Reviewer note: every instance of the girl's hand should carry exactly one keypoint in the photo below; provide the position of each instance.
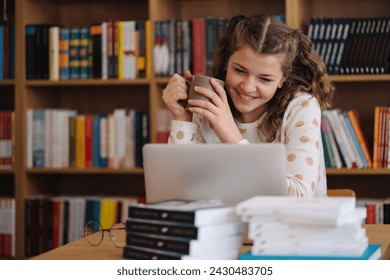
(175, 95)
(217, 112)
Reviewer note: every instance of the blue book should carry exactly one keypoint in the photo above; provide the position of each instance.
(373, 252)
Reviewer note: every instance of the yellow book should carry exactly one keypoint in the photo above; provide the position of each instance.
(108, 212)
(148, 43)
(80, 141)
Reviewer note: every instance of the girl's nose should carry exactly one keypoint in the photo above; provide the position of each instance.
(248, 85)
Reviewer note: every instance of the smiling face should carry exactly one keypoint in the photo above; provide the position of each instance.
(251, 81)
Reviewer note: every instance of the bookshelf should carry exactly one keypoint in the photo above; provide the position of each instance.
(362, 92)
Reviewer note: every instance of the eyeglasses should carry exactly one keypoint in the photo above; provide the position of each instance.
(94, 233)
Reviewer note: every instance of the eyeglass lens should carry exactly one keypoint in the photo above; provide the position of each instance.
(93, 232)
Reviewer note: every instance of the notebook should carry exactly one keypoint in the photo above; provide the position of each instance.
(230, 173)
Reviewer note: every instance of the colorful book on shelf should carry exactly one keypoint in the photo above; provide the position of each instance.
(354, 118)
(372, 252)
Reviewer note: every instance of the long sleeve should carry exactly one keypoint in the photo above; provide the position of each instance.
(182, 132)
(301, 134)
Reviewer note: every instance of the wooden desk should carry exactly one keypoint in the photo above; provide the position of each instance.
(82, 250)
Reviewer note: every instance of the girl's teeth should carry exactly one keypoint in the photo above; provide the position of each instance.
(246, 97)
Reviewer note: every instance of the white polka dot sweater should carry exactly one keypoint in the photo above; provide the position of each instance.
(300, 132)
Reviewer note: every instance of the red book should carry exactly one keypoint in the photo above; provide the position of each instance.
(88, 140)
(371, 213)
(198, 45)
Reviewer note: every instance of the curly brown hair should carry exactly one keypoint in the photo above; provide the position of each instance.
(303, 68)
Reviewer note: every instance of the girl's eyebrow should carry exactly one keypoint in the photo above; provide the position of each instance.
(262, 75)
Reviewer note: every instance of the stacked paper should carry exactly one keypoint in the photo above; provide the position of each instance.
(292, 226)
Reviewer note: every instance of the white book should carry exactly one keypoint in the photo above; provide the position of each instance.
(129, 49)
(54, 54)
(120, 137)
(336, 128)
(285, 205)
(320, 248)
(55, 153)
(48, 137)
(332, 140)
(343, 232)
(104, 50)
(353, 217)
(349, 141)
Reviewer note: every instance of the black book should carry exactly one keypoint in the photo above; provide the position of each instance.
(138, 253)
(183, 230)
(384, 53)
(349, 47)
(197, 213)
(186, 246)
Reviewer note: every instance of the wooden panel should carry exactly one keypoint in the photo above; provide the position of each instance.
(91, 100)
(77, 13)
(363, 97)
(223, 8)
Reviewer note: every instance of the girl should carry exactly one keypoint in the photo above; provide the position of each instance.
(276, 87)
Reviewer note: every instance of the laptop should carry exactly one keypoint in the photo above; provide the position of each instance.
(230, 173)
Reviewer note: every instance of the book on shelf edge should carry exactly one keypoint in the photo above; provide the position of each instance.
(372, 252)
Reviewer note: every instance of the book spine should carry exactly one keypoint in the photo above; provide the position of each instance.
(54, 67)
(155, 214)
(162, 229)
(83, 52)
(64, 53)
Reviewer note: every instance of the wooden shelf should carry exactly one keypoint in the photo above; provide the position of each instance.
(355, 171)
(89, 82)
(7, 82)
(87, 171)
(7, 171)
(361, 92)
(360, 78)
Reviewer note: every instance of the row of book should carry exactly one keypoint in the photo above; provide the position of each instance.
(344, 142)
(182, 44)
(111, 49)
(352, 45)
(378, 210)
(381, 151)
(7, 227)
(61, 138)
(182, 229)
(52, 221)
(6, 137)
(7, 52)
(320, 228)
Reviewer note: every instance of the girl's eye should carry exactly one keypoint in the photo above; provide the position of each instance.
(239, 70)
(265, 80)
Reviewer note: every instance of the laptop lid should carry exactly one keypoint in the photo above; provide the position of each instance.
(227, 172)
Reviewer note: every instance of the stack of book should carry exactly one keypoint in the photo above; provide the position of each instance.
(178, 229)
(306, 228)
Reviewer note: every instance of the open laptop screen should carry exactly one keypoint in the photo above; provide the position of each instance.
(227, 172)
